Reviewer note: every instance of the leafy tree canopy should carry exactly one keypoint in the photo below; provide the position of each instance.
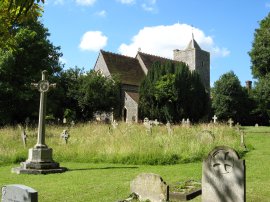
(171, 92)
(260, 52)
(230, 99)
(12, 14)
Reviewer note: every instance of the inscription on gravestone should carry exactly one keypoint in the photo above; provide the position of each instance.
(223, 178)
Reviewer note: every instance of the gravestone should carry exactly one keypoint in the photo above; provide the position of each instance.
(64, 120)
(215, 118)
(230, 121)
(169, 128)
(18, 193)
(114, 124)
(149, 186)
(156, 123)
(183, 122)
(206, 137)
(188, 122)
(65, 136)
(256, 125)
(242, 139)
(223, 176)
(148, 125)
(40, 159)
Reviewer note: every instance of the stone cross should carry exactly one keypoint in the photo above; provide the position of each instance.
(43, 87)
(230, 122)
(215, 118)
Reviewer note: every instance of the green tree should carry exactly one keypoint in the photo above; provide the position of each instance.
(21, 66)
(13, 13)
(260, 52)
(98, 93)
(230, 99)
(261, 95)
(171, 92)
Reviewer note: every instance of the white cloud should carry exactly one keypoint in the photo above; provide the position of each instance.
(127, 1)
(162, 40)
(150, 6)
(93, 41)
(85, 2)
(102, 13)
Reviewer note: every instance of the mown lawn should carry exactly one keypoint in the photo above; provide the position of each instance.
(110, 182)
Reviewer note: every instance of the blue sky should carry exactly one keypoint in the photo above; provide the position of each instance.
(225, 28)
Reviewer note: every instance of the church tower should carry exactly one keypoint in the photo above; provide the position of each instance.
(197, 59)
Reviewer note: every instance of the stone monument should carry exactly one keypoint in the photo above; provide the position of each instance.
(40, 159)
(223, 176)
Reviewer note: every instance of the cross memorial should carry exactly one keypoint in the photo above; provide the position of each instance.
(40, 159)
(230, 122)
(215, 118)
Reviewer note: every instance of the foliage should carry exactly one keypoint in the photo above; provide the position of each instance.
(21, 66)
(98, 93)
(171, 92)
(261, 95)
(13, 13)
(260, 52)
(230, 99)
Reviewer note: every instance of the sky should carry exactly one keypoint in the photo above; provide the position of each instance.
(225, 28)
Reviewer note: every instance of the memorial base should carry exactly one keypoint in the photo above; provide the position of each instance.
(39, 162)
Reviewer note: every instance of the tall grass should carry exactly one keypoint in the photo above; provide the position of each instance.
(128, 144)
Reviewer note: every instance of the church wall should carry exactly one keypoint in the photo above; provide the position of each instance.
(132, 109)
(186, 56)
(101, 66)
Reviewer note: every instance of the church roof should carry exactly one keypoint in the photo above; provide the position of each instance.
(149, 59)
(127, 68)
(193, 44)
(134, 96)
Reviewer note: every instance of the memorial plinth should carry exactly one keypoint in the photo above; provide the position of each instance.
(40, 158)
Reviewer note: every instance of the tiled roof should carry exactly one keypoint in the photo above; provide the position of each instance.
(127, 68)
(149, 59)
(134, 96)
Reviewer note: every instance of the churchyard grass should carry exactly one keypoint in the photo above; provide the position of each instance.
(109, 182)
(127, 144)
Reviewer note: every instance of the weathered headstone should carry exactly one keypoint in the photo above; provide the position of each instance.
(256, 125)
(206, 136)
(148, 125)
(156, 123)
(183, 122)
(149, 186)
(18, 193)
(114, 124)
(169, 128)
(40, 159)
(223, 176)
(188, 122)
(64, 120)
(230, 121)
(215, 118)
(65, 136)
(242, 139)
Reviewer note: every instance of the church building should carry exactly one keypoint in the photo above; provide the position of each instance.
(133, 70)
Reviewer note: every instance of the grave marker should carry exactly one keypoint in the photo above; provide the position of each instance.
(40, 159)
(18, 193)
(223, 176)
(149, 186)
(230, 122)
(65, 136)
(169, 129)
(215, 118)
(148, 125)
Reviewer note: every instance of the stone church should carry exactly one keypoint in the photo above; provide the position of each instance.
(133, 70)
